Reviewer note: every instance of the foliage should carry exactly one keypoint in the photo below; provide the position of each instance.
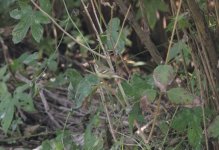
(29, 19)
(123, 98)
(213, 128)
(180, 96)
(151, 8)
(137, 86)
(9, 102)
(189, 121)
(163, 76)
(62, 141)
(116, 37)
(81, 88)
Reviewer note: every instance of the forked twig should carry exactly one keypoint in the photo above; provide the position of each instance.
(65, 32)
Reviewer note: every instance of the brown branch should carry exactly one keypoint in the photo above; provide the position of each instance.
(205, 36)
(143, 34)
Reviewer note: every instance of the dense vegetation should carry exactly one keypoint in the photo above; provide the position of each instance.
(104, 74)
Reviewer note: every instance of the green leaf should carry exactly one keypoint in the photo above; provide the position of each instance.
(74, 77)
(3, 71)
(71, 92)
(23, 4)
(135, 114)
(113, 36)
(46, 5)
(91, 142)
(22, 88)
(137, 86)
(181, 120)
(20, 31)
(175, 50)
(163, 76)
(151, 8)
(16, 14)
(22, 99)
(29, 18)
(31, 58)
(37, 31)
(182, 22)
(164, 127)
(40, 18)
(195, 136)
(213, 129)
(85, 88)
(5, 5)
(178, 47)
(7, 115)
(25, 101)
(52, 65)
(180, 96)
(114, 24)
(150, 94)
(6, 111)
(62, 141)
(4, 91)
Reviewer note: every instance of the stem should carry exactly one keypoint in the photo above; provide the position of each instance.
(66, 33)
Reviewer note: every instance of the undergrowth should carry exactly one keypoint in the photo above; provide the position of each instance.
(90, 93)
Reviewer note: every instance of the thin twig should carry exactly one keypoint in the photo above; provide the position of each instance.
(74, 24)
(66, 33)
(108, 59)
(98, 38)
(95, 14)
(123, 24)
(107, 114)
(202, 98)
(142, 34)
(155, 117)
(164, 140)
(173, 31)
(46, 106)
